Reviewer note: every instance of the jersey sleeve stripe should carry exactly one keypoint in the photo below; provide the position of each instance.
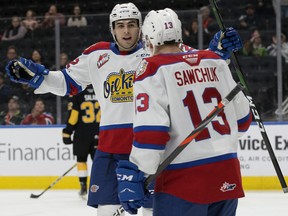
(72, 87)
(151, 128)
(244, 123)
(202, 161)
(152, 137)
(118, 126)
(148, 146)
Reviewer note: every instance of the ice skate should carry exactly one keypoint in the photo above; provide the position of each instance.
(83, 191)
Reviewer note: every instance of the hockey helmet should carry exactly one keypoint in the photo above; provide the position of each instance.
(160, 27)
(124, 11)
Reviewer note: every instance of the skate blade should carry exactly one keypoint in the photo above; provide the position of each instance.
(83, 197)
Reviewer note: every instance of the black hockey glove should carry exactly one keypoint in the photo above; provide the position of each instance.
(66, 137)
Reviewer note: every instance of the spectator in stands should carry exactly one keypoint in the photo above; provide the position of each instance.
(249, 19)
(13, 115)
(26, 93)
(190, 35)
(272, 48)
(77, 20)
(30, 22)
(15, 31)
(272, 51)
(64, 60)
(5, 92)
(51, 16)
(254, 46)
(37, 57)
(207, 19)
(11, 54)
(38, 116)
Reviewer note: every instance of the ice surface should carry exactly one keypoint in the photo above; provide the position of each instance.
(67, 203)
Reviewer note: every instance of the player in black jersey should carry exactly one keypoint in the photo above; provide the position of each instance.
(83, 121)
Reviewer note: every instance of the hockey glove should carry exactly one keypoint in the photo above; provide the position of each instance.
(25, 71)
(130, 186)
(225, 42)
(149, 196)
(66, 137)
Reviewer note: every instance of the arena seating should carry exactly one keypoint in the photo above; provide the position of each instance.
(260, 73)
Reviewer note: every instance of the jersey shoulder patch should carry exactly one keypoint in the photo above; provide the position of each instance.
(149, 66)
(97, 46)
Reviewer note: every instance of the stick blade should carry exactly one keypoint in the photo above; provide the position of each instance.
(34, 196)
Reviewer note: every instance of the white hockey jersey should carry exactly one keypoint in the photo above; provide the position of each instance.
(173, 93)
(111, 73)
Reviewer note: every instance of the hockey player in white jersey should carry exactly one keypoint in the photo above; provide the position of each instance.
(173, 92)
(110, 68)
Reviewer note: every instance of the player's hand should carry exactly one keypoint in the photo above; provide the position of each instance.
(225, 42)
(149, 195)
(25, 71)
(67, 140)
(96, 140)
(66, 137)
(130, 186)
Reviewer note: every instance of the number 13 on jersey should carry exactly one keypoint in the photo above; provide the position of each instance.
(189, 102)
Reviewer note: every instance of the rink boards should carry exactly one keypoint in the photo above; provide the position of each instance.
(34, 157)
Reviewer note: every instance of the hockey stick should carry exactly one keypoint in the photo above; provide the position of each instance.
(189, 138)
(53, 183)
(253, 108)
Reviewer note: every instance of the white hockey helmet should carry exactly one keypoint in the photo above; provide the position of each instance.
(160, 27)
(124, 11)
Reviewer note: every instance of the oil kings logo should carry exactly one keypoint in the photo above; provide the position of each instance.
(102, 60)
(119, 86)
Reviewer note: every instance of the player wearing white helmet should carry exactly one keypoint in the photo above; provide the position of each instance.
(173, 91)
(110, 68)
(155, 34)
(125, 14)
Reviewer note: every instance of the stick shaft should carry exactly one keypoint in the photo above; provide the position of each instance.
(253, 108)
(53, 183)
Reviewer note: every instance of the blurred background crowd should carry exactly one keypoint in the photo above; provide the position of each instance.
(28, 29)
